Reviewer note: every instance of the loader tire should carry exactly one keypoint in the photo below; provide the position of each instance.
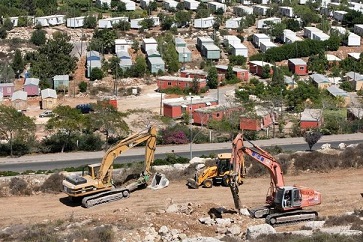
(208, 183)
(225, 180)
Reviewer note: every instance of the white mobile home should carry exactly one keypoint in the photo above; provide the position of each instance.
(130, 5)
(203, 23)
(122, 45)
(170, 4)
(191, 4)
(265, 45)
(261, 24)
(203, 41)
(149, 44)
(308, 32)
(260, 10)
(51, 20)
(239, 49)
(77, 22)
(258, 38)
(339, 15)
(108, 23)
(14, 21)
(233, 23)
(353, 40)
(136, 23)
(338, 29)
(242, 10)
(145, 3)
(230, 40)
(286, 11)
(214, 6)
(102, 3)
(320, 36)
(291, 39)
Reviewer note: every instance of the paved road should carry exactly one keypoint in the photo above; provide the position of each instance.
(59, 161)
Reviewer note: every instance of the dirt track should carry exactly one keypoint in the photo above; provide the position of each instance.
(340, 191)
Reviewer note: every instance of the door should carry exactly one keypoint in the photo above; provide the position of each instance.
(296, 198)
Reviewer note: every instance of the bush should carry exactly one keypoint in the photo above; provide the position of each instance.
(316, 161)
(38, 37)
(344, 220)
(19, 187)
(53, 184)
(82, 86)
(90, 142)
(170, 160)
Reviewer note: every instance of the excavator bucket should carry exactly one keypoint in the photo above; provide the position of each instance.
(159, 181)
(191, 183)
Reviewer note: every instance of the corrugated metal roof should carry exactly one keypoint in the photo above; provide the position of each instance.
(311, 115)
(19, 95)
(156, 61)
(31, 81)
(188, 102)
(48, 93)
(7, 84)
(319, 78)
(337, 92)
(61, 78)
(297, 61)
(354, 76)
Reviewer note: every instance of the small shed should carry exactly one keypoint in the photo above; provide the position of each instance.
(179, 42)
(130, 5)
(298, 66)
(204, 23)
(77, 22)
(7, 89)
(31, 86)
(233, 23)
(320, 36)
(184, 54)
(108, 23)
(260, 118)
(311, 118)
(191, 4)
(258, 38)
(339, 15)
(211, 52)
(242, 10)
(260, 9)
(93, 55)
(239, 49)
(156, 64)
(149, 44)
(320, 81)
(122, 45)
(203, 41)
(61, 81)
(353, 40)
(166, 82)
(337, 92)
(49, 99)
(230, 40)
(19, 100)
(256, 67)
(202, 116)
(308, 32)
(265, 45)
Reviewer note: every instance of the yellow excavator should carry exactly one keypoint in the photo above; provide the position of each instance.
(218, 174)
(95, 186)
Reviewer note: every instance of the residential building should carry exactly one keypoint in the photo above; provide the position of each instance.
(184, 54)
(145, 3)
(202, 116)
(197, 73)
(311, 118)
(102, 3)
(191, 4)
(176, 109)
(358, 29)
(233, 23)
(241, 74)
(320, 36)
(320, 81)
(256, 67)
(211, 52)
(258, 38)
(19, 100)
(49, 99)
(214, 6)
(125, 60)
(156, 64)
(231, 39)
(263, 23)
(239, 49)
(339, 93)
(339, 15)
(91, 64)
(260, 10)
(136, 23)
(51, 20)
(108, 23)
(7, 89)
(129, 5)
(76, 22)
(353, 40)
(259, 119)
(31, 86)
(287, 11)
(179, 42)
(265, 45)
(93, 55)
(308, 32)
(151, 53)
(204, 23)
(166, 82)
(242, 10)
(356, 79)
(170, 4)
(298, 66)
(149, 44)
(354, 55)
(203, 41)
(61, 81)
(122, 45)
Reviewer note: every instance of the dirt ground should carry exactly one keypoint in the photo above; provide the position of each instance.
(340, 193)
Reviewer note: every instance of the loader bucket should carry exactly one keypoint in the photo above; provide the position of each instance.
(191, 183)
(159, 181)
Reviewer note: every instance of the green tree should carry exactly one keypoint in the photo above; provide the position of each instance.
(292, 24)
(15, 125)
(135, 45)
(312, 137)
(114, 65)
(82, 86)
(139, 67)
(38, 37)
(318, 63)
(230, 74)
(195, 85)
(66, 122)
(212, 78)
(108, 120)
(18, 63)
(96, 74)
(7, 73)
(266, 71)
(90, 22)
(105, 37)
(238, 60)
(147, 23)
(8, 25)
(123, 26)
(3, 33)
(167, 22)
(183, 17)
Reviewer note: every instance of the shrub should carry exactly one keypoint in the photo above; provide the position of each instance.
(82, 86)
(19, 187)
(53, 184)
(316, 161)
(90, 142)
(343, 220)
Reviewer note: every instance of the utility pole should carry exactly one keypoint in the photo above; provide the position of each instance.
(191, 127)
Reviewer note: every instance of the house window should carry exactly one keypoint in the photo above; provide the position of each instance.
(60, 82)
(302, 67)
(217, 115)
(169, 83)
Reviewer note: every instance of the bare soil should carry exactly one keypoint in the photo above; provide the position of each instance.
(340, 192)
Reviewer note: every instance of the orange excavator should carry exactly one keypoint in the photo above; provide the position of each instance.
(284, 204)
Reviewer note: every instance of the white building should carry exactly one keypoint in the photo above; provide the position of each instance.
(191, 4)
(77, 22)
(242, 10)
(149, 44)
(261, 24)
(145, 3)
(353, 40)
(265, 45)
(338, 29)
(51, 20)
(308, 32)
(320, 36)
(239, 49)
(302, 2)
(258, 38)
(286, 11)
(260, 10)
(203, 23)
(122, 45)
(214, 6)
(358, 29)
(103, 3)
(136, 23)
(130, 5)
(233, 23)
(107, 23)
(231, 39)
(339, 15)
(291, 39)
(170, 4)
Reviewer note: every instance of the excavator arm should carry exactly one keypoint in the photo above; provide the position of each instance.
(113, 152)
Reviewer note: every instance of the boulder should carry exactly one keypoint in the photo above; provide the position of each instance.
(352, 145)
(342, 146)
(197, 160)
(234, 230)
(207, 221)
(314, 225)
(326, 146)
(306, 233)
(256, 230)
(163, 230)
(226, 222)
(244, 211)
(201, 239)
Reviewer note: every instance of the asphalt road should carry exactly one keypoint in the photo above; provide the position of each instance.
(61, 161)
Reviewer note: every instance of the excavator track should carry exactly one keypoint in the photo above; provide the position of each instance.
(105, 197)
(259, 212)
(278, 219)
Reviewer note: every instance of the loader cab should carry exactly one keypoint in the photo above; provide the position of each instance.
(224, 163)
(92, 170)
(287, 198)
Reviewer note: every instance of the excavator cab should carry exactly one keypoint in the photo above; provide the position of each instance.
(287, 198)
